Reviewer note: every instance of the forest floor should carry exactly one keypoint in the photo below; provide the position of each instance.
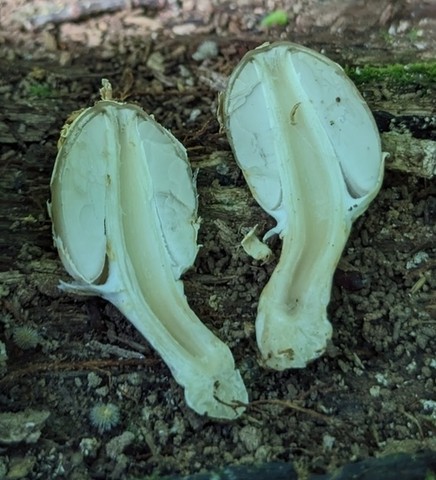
(371, 393)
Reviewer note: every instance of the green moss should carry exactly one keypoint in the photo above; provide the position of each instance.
(421, 74)
(275, 18)
(40, 90)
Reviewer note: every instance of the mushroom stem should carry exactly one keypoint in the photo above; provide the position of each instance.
(292, 326)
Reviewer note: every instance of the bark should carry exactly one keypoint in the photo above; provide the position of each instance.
(393, 467)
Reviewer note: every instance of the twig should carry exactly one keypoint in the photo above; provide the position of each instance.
(54, 367)
(281, 403)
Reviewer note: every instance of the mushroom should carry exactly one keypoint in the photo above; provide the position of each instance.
(310, 152)
(124, 212)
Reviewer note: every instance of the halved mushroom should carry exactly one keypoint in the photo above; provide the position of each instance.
(310, 152)
(124, 212)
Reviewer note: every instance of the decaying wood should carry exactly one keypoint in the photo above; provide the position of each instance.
(393, 467)
(409, 154)
(29, 123)
(79, 10)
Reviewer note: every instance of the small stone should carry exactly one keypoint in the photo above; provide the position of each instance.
(207, 49)
(93, 380)
(116, 446)
(24, 426)
(328, 441)
(20, 467)
(429, 406)
(250, 437)
(102, 391)
(381, 379)
(374, 391)
(89, 447)
(134, 379)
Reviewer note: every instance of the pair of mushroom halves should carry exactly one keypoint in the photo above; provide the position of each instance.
(124, 212)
